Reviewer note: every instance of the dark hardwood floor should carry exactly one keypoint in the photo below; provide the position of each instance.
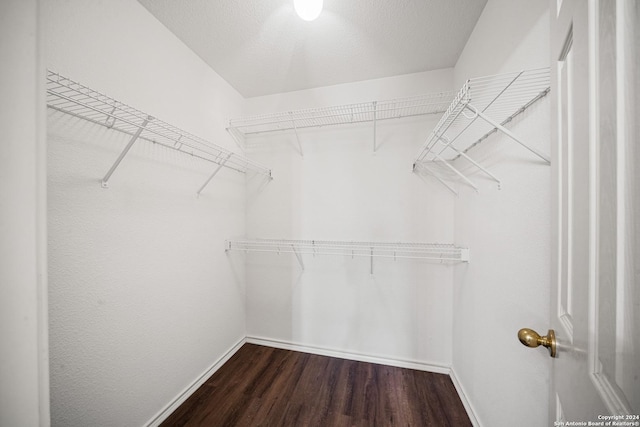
(264, 386)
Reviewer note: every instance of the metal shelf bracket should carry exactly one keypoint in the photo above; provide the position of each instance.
(375, 117)
(220, 165)
(371, 262)
(456, 171)
(448, 144)
(298, 256)
(497, 100)
(508, 133)
(295, 131)
(233, 133)
(105, 180)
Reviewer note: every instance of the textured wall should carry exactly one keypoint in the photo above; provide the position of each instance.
(341, 190)
(143, 299)
(506, 286)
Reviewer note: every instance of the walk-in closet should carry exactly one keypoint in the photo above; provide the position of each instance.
(225, 213)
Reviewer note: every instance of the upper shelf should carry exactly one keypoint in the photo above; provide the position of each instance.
(70, 97)
(496, 100)
(341, 114)
(344, 114)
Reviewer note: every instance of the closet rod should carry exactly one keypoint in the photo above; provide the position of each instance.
(442, 253)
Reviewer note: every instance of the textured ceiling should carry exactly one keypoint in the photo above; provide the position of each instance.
(261, 46)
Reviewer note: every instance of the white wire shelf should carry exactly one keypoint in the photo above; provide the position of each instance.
(373, 111)
(73, 98)
(495, 100)
(442, 253)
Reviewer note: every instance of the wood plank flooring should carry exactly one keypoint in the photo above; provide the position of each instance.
(264, 386)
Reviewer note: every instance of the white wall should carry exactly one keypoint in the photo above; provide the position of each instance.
(143, 299)
(349, 93)
(506, 286)
(342, 190)
(24, 375)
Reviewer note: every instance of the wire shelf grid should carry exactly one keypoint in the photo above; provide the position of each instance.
(73, 98)
(343, 114)
(444, 253)
(483, 106)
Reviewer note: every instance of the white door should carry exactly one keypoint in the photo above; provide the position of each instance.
(595, 308)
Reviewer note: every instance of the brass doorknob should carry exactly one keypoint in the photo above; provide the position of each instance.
(531, 338)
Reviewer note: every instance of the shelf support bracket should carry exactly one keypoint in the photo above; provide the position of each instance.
(111, 116)
(298, 256)
(105, 180)
(375, 114)
(442, 181)
(295, 130)
(220, 165)
(371, 266)
(236, 138)
(507, 132)
(456, 171)
(476, 164)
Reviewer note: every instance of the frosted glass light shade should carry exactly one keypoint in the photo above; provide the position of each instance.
(308, 9)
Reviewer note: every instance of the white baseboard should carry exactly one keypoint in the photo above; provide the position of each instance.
(465, 401)
(323, 351)
(184, 394)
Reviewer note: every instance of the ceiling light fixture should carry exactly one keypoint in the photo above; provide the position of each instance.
(308, 9)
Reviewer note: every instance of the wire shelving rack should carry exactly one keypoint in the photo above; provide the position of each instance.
(374, 111)
(483, 105)
(73, 98)
(437, 252)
